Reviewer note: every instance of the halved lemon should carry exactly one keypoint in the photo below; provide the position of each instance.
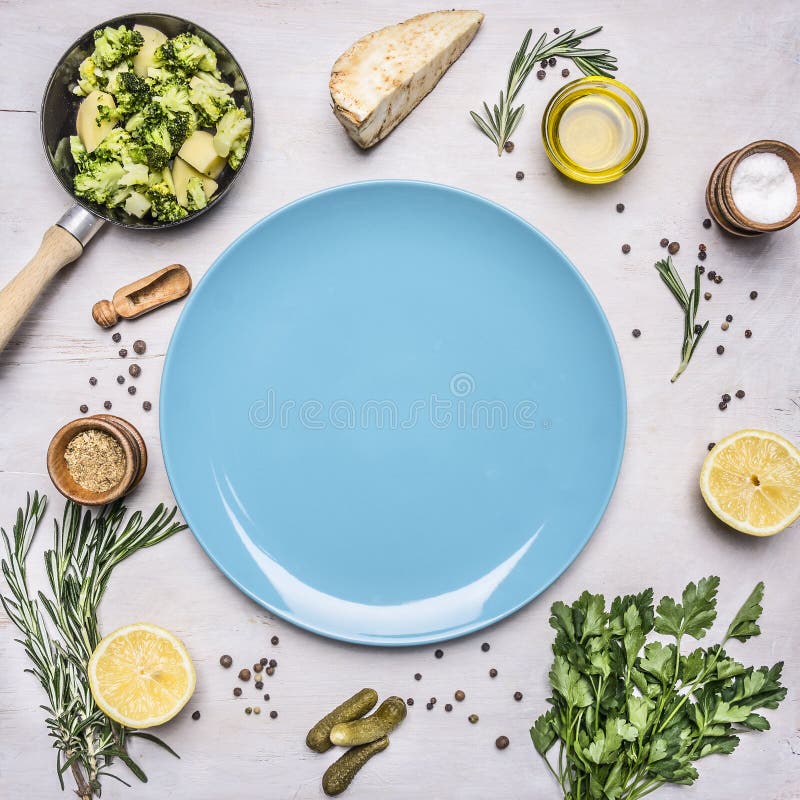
(751, 481)
(141, 675)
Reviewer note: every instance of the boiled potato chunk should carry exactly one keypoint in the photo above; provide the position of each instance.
(198, 151)
(181, 173)
(90, 132)
(153, 39)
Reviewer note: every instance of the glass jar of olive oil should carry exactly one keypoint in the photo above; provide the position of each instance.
(594, 130)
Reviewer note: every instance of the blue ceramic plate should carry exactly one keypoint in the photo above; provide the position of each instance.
(392, 412)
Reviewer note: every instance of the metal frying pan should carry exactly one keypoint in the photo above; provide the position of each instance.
(64, 242)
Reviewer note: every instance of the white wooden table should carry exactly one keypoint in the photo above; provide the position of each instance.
(713, 76)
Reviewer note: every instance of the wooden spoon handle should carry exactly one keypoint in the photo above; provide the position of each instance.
(57, 249)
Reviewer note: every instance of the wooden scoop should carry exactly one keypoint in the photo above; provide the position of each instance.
(139, 297)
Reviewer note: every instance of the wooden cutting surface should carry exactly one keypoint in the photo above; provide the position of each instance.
(713, 76)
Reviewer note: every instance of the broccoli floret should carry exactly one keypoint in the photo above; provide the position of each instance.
(174, 100)
(113, 45)
(137, 204)
(78, 151)
(195, 194)
(164, 205)
(87, 77)
(159, 132)
(210, 97)
(186, 53)
(98, 182)
(131, 94)
(233, 131)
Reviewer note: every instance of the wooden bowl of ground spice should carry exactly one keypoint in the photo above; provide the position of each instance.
(95, 460)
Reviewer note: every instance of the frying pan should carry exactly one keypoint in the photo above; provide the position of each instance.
(63, 242)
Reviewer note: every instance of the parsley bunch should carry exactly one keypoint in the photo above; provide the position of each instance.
(630, 715)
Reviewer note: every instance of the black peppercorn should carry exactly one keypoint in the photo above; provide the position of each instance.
(492, 673)
(501, 742)
(433, 700)
(93, 381)
(673, 248)
(417, 676)
(706, 223)
(274, 640)
(264, 661)
(244, 674)
(636, 333)
(485, 647)
(259, 684)
(556, 31)
(701, 269)
(565, 73)
(270, 671)
(711, 446)
(620, 207)
(123, 353)
(273, 715)
(753, 295)
(120, 379)
(702, 255)
(543, 63)
(509, 146)
(410, 701)
(729, 318)
(626, 248)
(551, 61)
(722, 405)
(540, 74)
(429, 706)
(225, 661)
(748, 333)
(196, 715)
(272, 663)
(107, 405)
(701, 247)
(116, 338)
(131, 389)
(147, 405)
(134, 370)
(237, 692)
(518, 696)
(664, 242)
(520, 175)
(720, 349)
(740, 393)
(439, 653)
(84, 408)
(448, 707)
(266, 697)
(726, 398)
(712, 274)
(718, 279)
(139, 347)
(698, 328)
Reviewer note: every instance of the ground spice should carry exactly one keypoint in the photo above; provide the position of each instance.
(95, 460)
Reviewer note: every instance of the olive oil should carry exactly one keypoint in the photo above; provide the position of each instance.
(594, 130)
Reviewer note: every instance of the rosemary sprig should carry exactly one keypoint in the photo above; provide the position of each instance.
(502, 119)
(688, 301)
(59, 641)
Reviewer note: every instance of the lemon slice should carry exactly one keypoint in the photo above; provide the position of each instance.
(141, 675)
(751, 481)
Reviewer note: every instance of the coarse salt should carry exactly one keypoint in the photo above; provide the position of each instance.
(764, 188)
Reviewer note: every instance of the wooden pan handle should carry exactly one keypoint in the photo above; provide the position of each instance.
(58, 248)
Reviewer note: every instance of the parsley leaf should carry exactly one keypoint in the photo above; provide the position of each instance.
(631, 713)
